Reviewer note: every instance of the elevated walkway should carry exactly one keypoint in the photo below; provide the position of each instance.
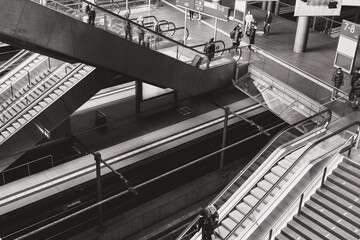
(31, 26)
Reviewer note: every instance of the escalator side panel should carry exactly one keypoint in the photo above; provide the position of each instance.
(28, 25)
(52, 116)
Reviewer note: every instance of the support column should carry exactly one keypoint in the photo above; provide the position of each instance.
(270, 6)
(277, 8)
(302, 32)
(138, 95)
(263, 6)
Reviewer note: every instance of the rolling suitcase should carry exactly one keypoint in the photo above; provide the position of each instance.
(196, 62)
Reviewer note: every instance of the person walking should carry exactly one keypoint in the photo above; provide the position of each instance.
(127, 26)
(92, 13)
(249, 18)
(252, 34)
(267, 22)
(355, 76)
(141, 31)
(209, 49)
(208, 221)
(337, 81)
(236, 35)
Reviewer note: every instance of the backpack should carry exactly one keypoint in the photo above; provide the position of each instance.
(232, 34)
(207, 48)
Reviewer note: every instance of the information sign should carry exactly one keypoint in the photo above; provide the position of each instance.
(347, 46)
(207, 8)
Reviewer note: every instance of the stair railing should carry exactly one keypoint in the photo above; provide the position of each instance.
(307, 158)
(322, 120)
(317, 182)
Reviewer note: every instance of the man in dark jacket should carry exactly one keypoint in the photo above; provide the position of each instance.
(238, 34)
(208, 220)
(354, 78)
(267, 22)
(210, 51)
(338, 81)
(356, 94)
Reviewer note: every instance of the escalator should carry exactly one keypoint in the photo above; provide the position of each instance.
(239, 204)
(166, 63)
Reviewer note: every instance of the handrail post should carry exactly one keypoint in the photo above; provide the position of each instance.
(357, 138)
(28, 169)
(323, 178)
(270, 234)
(97, 157)
(351, 145)
(3, 177)
(300, 203)
(226, 119)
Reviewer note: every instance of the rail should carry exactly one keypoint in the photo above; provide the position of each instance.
(300, 158)
(322, 119)
(115, 24)
(317, 182)
(137, 187)
(17, 57)
(291, 75)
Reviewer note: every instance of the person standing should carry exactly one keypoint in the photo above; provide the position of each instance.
(237, 36)
(252, 34)
(92, 14)
(356, 97)
(355, 76)
(141, 31)
(249, 18)
(210, 51)
(337, 81)
(208, 221)
(127, 26)
(267, 22)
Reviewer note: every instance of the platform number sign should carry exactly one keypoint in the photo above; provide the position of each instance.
(347, 46)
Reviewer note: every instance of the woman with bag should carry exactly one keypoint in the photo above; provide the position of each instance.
(236, 36)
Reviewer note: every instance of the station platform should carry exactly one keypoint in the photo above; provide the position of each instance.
(132, 132)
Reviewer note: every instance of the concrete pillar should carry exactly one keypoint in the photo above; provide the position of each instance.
(302, 32)
(357, 15)
(270, 6)
(277, 8)
(263, 6)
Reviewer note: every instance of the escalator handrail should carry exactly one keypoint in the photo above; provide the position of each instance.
(149, 30)
(351, 139)
(27, 108)
(12, 60)
(203, 44)
(256, 158)
(322, 139)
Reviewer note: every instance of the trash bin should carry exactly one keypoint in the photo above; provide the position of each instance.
(100, 118)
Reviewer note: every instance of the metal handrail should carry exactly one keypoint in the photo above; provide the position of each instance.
(14, 59)
(137, 187)
(326, 124)
(298, 69)
(316, 179)
(275, 185)
(146, 29)
(39, 99)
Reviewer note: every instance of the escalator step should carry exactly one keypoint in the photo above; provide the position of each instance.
(21, 121)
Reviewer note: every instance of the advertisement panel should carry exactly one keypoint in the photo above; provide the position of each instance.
(318, 8)
(350, 2)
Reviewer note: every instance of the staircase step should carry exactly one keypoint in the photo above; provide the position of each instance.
(303, 231)
(352, 163)
(331, 227)
(313, 227)
(291, 234)
(350, 168)
(342, 198)
(281, 237)
(340, 210)
(343, 184)
(332, 217)
(351, 178)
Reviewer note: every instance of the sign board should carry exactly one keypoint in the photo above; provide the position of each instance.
(317, 8)
(351, 3)
(207, 8)
(347, 46)
(240, 10)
